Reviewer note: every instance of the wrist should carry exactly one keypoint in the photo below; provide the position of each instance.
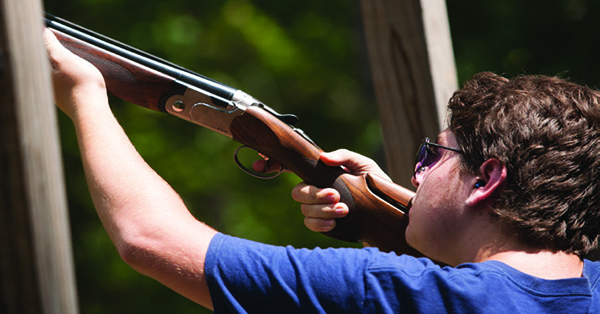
(85, 100)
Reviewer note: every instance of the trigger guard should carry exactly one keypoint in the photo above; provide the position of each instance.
(246, 170)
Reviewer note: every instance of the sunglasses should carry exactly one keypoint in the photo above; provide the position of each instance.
(428, 155)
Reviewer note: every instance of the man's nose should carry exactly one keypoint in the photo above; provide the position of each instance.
(416, 179)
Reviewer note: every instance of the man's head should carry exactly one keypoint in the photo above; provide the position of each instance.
(546, 131)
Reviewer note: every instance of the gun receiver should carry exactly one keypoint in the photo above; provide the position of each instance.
(378, 208)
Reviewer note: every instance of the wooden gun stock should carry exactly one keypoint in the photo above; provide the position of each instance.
(378, 207)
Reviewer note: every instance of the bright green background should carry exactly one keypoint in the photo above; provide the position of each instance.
(303, 57)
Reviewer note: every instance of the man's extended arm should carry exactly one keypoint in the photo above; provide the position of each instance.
(145, 218)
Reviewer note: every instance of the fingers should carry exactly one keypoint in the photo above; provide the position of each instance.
(51, 43)
(57, 53)
(50, 40)
(340, 157)
(60, 57)
(353, 162)
(321, 218)
(324, 211)
(320, 206)
(75, 80)
(66, 62)
(308, 194)
(264, 166)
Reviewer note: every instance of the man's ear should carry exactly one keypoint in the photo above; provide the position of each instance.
(491, 178)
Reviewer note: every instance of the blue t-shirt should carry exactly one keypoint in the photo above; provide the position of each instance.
(249, 277)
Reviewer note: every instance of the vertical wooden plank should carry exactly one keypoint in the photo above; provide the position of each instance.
(440, 55)
(36, 263)
(413, 73)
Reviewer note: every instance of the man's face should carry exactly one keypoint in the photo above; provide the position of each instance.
(435, 216)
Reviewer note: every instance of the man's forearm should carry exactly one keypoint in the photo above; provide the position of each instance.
(144, 217)
(151, 227)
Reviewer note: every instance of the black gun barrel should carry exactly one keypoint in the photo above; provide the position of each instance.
(144, 58)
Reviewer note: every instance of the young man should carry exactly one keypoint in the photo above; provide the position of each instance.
(507, 195)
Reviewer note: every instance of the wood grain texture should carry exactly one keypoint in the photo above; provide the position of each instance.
(412, 67)
(33, 207)
(371, 218)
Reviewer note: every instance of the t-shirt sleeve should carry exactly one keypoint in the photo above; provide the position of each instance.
(250, 277)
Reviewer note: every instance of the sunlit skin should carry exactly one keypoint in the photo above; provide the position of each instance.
(436, 217)
(155, 233)
(145, 218)
(449, 220)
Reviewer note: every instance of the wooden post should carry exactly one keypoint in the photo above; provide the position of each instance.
(36, 264)
(413, 73)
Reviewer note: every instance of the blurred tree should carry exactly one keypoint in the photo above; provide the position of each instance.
(301, 57)
(512, 37)
(305, 58)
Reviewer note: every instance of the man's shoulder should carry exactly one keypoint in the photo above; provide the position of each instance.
(591, 271)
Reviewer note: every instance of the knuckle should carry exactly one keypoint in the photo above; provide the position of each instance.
(319, 225)
(297, 193)
(308, 222)
(305, 210)
(308, 194)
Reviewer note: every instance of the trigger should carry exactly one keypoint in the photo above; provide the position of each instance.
(252, 173)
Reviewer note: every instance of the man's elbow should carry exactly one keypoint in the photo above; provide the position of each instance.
(173, 249)
(137, 253)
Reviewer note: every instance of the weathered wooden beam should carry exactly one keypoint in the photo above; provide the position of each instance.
(413, 73)
(36, 264)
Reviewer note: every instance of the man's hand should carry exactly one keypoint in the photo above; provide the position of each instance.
(145, 218)
(76, 81)
(322, 206)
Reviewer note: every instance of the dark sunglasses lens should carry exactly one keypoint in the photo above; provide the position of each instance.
(431, 157)
(426, 156)
(421, 154)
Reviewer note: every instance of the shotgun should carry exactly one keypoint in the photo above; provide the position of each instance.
(378, 209)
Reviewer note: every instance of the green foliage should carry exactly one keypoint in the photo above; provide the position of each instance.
(512, 37)
(301, 57)
(306, 61)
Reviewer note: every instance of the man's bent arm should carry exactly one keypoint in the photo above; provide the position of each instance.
(145, 218)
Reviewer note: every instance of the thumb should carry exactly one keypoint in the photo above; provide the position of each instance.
(353, 162)
(54, 47)
(49, 37)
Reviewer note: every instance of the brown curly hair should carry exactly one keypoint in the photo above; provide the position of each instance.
(546, 131)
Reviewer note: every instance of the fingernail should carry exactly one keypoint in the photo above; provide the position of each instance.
(331, 198)
(328, 225)
(340, 210)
